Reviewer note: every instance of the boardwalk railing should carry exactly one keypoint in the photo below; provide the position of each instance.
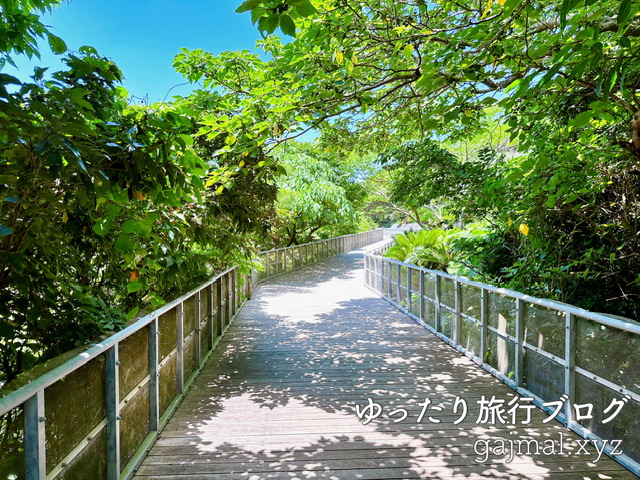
(546, 350)
(98, 413)
(286, 259)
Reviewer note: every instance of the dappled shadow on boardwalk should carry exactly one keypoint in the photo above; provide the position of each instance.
(280, 397)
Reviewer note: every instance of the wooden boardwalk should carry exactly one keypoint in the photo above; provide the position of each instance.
(280, 399)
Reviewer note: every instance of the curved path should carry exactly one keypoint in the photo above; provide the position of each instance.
(283, 394)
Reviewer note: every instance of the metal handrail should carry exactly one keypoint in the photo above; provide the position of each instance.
(216, 320)
(611, 321)
(379, 276)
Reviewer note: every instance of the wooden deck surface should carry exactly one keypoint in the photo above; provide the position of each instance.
(280, 396)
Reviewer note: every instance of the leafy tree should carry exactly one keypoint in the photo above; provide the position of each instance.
(566, 73)
(317, 196)
(20, 29)
(414, 66)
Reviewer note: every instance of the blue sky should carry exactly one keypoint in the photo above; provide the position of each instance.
(142, 36)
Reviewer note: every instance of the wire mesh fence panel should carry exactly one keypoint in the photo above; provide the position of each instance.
(12, 461)
(402, 291)
(70, 419)
(593, 401)
(447, 292)
(500, 354)
(608, 352)
(446, 322)
(90, 463)
(545, 329)
(470, 335)
(470, 300)
(501, 313)
(430, 286)
(525, 344)
(393, 278)
(134, 423)
(415, 292)
(543, 376)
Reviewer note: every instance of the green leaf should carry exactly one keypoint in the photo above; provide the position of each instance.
(103, 226)
(272, 23)
(567, 6)
(571, 198)
(510, 5)
(551, 201)
(582, 119)
(134, 287)
(287, 25)
(623, 12)
(57, 44)
(187, 139)
(4, 78)
(248, 5)
(408, 51)
(306, 8)
(124, 243)
(256, 14)
(132, 313)
(129, 226)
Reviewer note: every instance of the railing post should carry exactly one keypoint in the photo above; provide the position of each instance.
(389, 280)
(227, 301)
(277, 261)
(457, 316)
(398, 282)
(519, 373)
(180, 348)
(484, 302)
(34, 437)
(112, 404)
(198, 314)
(421, 295)
(212, 333)
(268, 264)
(219, 309)
(154, 373)
(409, 289)
(234, 294)
(570, 367)
(437, 319)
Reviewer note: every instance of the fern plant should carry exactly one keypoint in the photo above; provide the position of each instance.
(425, 248)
